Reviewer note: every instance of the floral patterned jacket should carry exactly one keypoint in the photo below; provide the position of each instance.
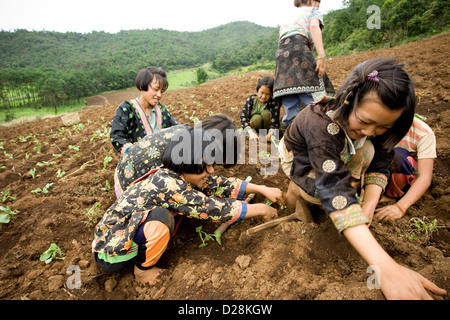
(216, 201)
(143, 157)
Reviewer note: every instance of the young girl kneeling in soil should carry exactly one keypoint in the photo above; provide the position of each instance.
(330, 148)
(261, 111)
(137, 228)
(411, 171)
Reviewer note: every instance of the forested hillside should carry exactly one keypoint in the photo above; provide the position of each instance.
(347, 30)
(131, 50)
(52, 68)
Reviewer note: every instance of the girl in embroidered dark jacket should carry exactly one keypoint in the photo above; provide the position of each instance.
(261, 111)
(139, 117)
(372, 112)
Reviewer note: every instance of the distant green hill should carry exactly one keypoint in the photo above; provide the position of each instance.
(131, 50)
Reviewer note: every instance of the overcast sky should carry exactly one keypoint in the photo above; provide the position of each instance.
(112, 16)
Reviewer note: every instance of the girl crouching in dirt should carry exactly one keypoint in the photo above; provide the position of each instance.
(261, 111)
(144, 157)
(330, 148)
(139, 117)
(137, 228)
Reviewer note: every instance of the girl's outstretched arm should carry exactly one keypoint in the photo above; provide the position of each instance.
(273, 194)
(417, 190)
(259, 209)
(372, 194)
(397, 282)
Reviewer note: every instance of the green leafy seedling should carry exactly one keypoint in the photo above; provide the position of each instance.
(76, 148)
(205, 237)
(107, 160)
(60, 173)
(425, 226)
(6, 196)
(33, 173)
(51, 253)
(107, 188)
(44, 190)
(422, 228)
(94, 213)
(218, 236)
(5, 217)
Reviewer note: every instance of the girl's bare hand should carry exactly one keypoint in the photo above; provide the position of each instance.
(274, 194)
(271, 214)
(400, 283)
(320, 67)
(388, 213)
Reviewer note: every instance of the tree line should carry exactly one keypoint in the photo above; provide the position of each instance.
(35, 87)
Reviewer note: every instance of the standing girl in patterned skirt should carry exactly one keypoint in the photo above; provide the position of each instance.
(299, 77)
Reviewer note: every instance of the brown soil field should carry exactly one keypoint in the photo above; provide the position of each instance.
(293, 261)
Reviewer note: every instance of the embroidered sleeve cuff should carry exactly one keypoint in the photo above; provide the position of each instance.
(348, 217)
(376, 178)
(238, 192)
(241, 212)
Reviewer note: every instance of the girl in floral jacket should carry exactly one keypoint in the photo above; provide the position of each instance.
(144, 157)
(138, 226)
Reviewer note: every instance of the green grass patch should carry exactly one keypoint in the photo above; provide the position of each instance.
(187, 78)
(182, 79)
(17, 113)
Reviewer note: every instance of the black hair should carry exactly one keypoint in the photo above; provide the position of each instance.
(190, 151)
(146, 75)
(227, 134)
(298, 3)
(393, 86)
(265, 81)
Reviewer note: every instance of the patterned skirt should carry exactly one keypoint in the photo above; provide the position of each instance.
(295, 70)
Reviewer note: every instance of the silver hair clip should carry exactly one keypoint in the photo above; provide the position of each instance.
(373, 76)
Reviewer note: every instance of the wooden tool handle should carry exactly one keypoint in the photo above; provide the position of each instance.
(271, 224)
